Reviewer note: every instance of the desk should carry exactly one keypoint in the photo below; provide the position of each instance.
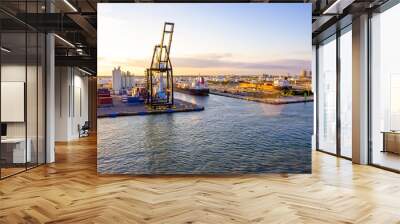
(18, 149)
(391, 141)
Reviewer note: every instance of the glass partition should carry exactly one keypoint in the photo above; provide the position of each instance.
(327, 96)
(13, 114)
(22, 78)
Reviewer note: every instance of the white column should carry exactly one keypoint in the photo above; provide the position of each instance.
(50, 92)
(360, 90)
(50, 98)
(314, 90)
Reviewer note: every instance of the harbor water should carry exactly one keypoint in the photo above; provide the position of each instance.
(231, 136)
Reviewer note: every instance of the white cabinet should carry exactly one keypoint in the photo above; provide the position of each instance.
(19, 155)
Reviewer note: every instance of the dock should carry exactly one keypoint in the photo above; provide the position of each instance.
(274, 101)
(123, 109)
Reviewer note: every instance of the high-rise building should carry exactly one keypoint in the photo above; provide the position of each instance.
(122, 80)
(303, 73)
(129, 80)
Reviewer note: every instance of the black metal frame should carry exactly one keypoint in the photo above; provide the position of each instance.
(316, 96)
(389, 4)
(30, 29)
(0, 88)
(160, 66)
(369, 78)
(338, 98)
(337, 34)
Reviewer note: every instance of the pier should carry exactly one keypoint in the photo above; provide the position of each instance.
(124, 109)
(274, 101)
(158, 95)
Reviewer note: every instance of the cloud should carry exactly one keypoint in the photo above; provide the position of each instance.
(213, 56)
(217, 62)
(283, 65)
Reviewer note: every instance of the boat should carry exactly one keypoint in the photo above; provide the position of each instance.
(104, 98)
(135, 96)
(282, 84)
(198, 87)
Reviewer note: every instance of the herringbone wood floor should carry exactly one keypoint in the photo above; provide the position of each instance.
(70, 191)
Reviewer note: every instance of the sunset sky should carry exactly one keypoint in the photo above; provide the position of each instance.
(209, 39)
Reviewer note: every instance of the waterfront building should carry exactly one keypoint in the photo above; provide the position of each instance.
(281, 83)
(104, 82)
(266, 78)
(122, 80)
(305, 74)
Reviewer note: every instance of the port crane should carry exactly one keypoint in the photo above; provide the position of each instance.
(159, 76)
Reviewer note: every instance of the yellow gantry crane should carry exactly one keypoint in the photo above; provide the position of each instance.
(159, 76)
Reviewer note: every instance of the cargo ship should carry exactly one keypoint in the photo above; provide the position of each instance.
(104, 98)
(198, 87)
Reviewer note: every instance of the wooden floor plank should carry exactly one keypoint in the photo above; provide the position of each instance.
(71, 191)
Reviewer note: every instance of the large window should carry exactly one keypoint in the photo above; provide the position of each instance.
(345, 92)
(335, 73)
(385, 89)
(22, 88)
(327, 96)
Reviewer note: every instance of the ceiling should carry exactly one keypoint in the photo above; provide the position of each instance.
(75, 21)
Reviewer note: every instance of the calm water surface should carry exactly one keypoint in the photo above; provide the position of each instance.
(229, 136)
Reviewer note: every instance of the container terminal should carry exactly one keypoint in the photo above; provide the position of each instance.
(155, 96)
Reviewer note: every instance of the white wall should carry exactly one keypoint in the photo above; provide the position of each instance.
(71, 102)
(33, 126)
(12, 73)
(80, 109)
(62, 82)
(13, 101)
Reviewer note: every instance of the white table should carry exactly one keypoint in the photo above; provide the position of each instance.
(19, 154)
(391, 141)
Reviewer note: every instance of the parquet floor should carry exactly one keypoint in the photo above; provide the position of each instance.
(70, 191)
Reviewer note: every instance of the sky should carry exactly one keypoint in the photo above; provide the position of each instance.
(208, 39)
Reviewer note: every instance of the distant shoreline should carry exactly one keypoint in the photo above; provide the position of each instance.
(274, 101)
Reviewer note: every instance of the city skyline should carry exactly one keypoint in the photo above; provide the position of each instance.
(129, 73)
(209, 39)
